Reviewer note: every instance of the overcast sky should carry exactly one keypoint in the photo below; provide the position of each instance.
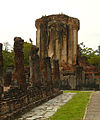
(17, 18)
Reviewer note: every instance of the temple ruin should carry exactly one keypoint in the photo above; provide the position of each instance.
(57, 37)
(20, 94)
(55, 63)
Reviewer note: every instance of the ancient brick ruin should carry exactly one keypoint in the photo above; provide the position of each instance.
(57, 37)
(55, 63)
(20, 94)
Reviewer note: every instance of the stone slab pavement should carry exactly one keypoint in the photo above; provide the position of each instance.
(93, 108)
(44, 111)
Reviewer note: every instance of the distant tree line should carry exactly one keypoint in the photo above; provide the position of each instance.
(8, 55)
(92, 55)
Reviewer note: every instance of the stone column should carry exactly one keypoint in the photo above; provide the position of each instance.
(38, 39)
(1, 71)
(52, 43)
(78, 74)
(48, 75)
(56, 75)
(70, 46)
(75, 43)
(64, 49)
(18, 74)
(35, 73)
(43, 41)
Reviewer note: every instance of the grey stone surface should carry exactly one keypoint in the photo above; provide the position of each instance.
(44, 111)
(93, 108)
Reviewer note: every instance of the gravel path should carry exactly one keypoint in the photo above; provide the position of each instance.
(47, 109)
(93, 108)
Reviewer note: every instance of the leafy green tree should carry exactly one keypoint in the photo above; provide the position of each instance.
(8, 55)
(8, 58)
(92, 55)
(26, 50)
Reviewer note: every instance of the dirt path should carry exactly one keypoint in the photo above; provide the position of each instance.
(93, 108)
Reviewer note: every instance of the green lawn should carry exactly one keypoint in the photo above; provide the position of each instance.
(73, 109)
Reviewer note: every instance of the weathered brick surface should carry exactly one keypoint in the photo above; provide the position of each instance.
(18, 74)
(1, 71)
(56, 74)
(54, 63)
(57, 37)
(36, 88)
(35, 73)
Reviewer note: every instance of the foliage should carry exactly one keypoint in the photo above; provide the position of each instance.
(73, 109)
(8, 58)
(92, 55)
(8, 55)
(26, 50)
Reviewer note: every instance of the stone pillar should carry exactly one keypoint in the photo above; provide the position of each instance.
(56, 74)
(18, 74)
(35, 73)
(70, 46)
(64, 49)
(78, 74)
(83, 78)
(48, 74)
(38, 39)
(43, 41)
(1, 71)
(52, 43)
(75, 43)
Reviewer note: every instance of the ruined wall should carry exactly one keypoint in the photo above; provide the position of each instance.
(25, 94)
(57, 37)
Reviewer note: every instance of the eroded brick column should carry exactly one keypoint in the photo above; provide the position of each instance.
(43, 40)
(70, 46)
(18, 74)
(1, 71)
(56, 74)
(48, 75)
(78, 73)
(35, 73)
(75, 43)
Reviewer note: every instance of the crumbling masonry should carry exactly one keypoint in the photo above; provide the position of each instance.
(23, 94)
(55, 63)
(57, 37)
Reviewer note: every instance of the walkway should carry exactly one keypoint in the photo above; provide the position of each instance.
(93, 108)
(47, 109)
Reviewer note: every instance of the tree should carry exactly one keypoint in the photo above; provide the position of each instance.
(26, 50)
(92, 55)
(8, 55)
(8, 58)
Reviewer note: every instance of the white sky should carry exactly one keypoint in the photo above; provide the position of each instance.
(17, 18)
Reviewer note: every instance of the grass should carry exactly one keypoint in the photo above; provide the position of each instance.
(73, 109)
